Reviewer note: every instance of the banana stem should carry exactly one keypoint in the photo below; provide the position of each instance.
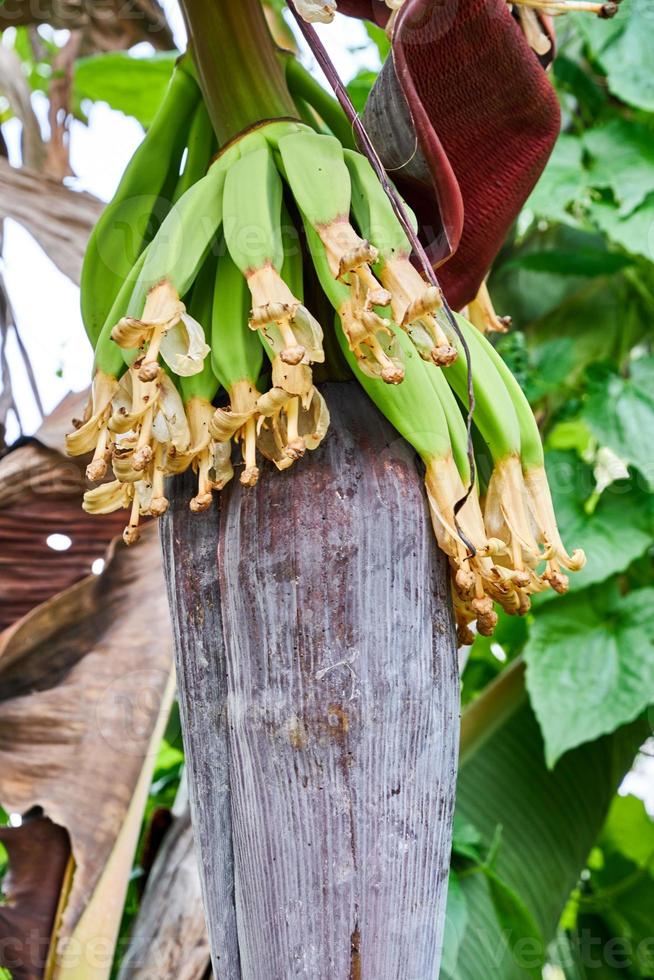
(304, 85)
(240, 75)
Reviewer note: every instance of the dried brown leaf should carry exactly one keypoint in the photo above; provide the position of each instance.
(82, 679)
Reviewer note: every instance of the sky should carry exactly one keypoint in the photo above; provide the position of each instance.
(45, 302)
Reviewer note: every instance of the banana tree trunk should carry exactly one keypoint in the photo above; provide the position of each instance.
(320, 701)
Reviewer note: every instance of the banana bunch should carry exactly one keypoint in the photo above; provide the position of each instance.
(205, 349)
(503, 543)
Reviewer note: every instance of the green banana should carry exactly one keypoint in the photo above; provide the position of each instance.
(531, 446)
(506, 509)
(126, 223)
(237, 359)
(204, 385)
(236, 352)
(252, 212)
(417, 413)
(455, 423)
(495, 415)
(170, 268)
(369, 336)
(211, 462)
(314, 167)
(200, 149)
(253, 232)
(315, 170)
(415, 304)
(532, 461)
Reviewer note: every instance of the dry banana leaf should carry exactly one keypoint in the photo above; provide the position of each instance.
(39, 853)
(84, 680)
(107, 26)
(58, 218)
(40, 492)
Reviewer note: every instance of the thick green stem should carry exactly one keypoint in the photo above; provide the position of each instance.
(238, 66)
(304, 85)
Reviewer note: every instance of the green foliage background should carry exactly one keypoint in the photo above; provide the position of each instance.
(577, 276)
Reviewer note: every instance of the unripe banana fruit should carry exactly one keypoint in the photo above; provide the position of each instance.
(142, 200)
(206, 343)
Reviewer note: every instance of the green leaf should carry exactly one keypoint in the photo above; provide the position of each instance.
(359, 88)
(619, 411)
(131, 85)
(571, 77)
(379, 37)
(466, 840)
(562, 182)
(550, 819)
(528, 294)
(553, 362)
(456, 923)
(624, 47)
(578, 263)
(620, 903)
(622, 155)
(619, 530)
(635, 233)
(590, 665)
(518, 925)
(603, 320)
(629, 829)
(572, 434)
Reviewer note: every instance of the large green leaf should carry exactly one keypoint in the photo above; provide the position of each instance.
(622, 158)
(456, 923)
(131, 85)
(585, 263)
(624, 47)
(563, 181)
(611, 935)
(603, 320)
(517, 922)
(635, 232)
(629, 829)
(529, 285)
(617, 532)
(590, 664)
(550, 821)
(620, 410)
